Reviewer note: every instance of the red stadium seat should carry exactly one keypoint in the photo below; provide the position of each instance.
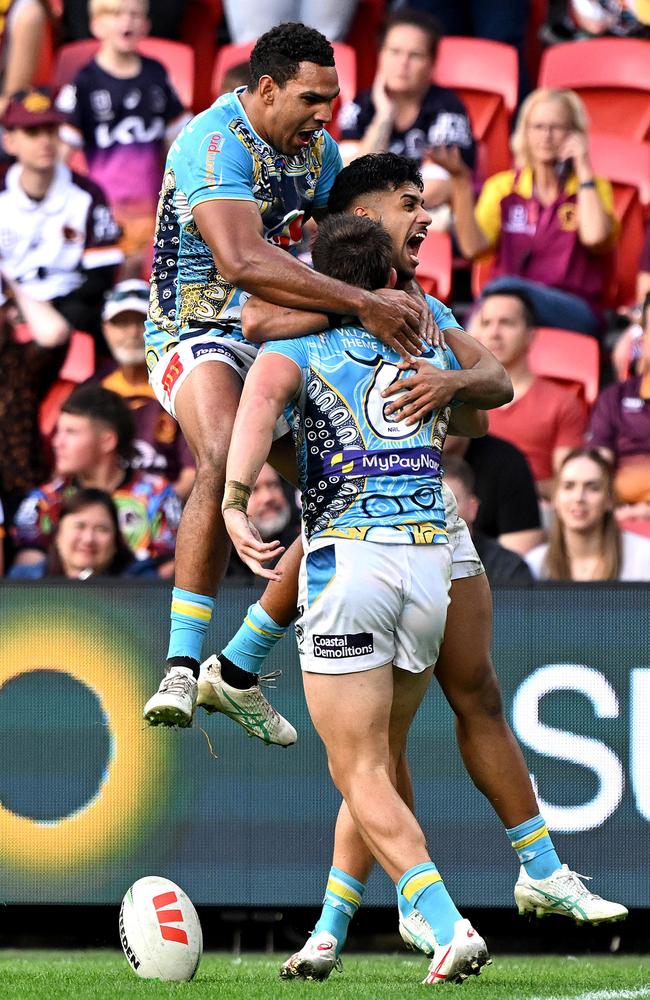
(176, 57)
(435, 268)
(571, 357)
(344, 56)
(611, 75)
(484, 74)
(623, 161)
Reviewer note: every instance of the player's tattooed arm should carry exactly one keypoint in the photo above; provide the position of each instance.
(270, 384)
(263, 321)
(232, 230)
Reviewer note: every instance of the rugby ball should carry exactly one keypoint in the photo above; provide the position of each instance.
(160, 930)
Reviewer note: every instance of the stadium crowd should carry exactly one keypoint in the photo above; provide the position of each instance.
(94, 473)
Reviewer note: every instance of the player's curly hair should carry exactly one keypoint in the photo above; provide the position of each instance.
(353, 249)
(279, 52)
(367, 174)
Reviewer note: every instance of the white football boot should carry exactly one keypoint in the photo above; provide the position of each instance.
(315, 960)
(248, 707)
(464, 956)
(174, 701)
(416, 933)
(564, 893)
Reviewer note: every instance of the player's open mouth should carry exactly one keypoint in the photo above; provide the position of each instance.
(305, 136)
(413, 245)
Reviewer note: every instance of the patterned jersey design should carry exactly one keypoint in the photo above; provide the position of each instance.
(362, 473)
(219, 156)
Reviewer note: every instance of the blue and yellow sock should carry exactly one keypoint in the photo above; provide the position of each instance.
(532, 842)
(257, 636)
(190, 617)
(342, 900)
(423, 888)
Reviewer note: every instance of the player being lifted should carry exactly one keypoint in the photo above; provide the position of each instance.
(464, 670)
(375, 577)
(239, 182)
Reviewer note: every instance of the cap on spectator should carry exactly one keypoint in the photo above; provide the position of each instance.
(31, 107)
(127, 296)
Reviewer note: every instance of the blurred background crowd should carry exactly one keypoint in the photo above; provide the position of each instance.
(531, 124)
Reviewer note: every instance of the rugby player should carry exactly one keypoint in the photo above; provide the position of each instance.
(386, 187)
(239, 182)
(374, 580)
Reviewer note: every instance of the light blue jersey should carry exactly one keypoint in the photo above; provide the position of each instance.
(219, 156)
(364, 475)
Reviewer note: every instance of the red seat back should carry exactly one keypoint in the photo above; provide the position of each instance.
(571, 357)
(176, 57)
(611, 75)
(434, 271)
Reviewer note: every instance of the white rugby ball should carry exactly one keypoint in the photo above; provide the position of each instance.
(160, 930)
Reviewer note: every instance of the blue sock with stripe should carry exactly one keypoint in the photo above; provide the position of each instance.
(257, 636)
(532, 842)
(190, 617)
(342, 900)
(423, 888)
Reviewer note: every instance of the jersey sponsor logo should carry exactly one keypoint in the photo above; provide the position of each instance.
(381, 462)
(289, 232)
(170, 376)
(214, 148)
(199, 350)
(336, 647)
(130, 130)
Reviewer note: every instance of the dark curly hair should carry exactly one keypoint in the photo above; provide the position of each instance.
(374, 172)
(353, 249)
(280, 51)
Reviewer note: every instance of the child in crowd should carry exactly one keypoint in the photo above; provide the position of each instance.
(123, 111)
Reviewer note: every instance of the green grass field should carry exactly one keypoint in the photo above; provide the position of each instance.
(106, 976)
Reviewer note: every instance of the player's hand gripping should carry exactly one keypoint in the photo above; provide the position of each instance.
(399, 320)
(428, 389)
(250, 548)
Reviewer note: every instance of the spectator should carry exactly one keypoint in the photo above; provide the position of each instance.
(123, 111)
(3, 536)
(549, 221)
(159, 445)
(569, 20)
(585, 541)
(620, 429)
(166, 19)
(405, 112)
(58, 239)
(272, 514)
(86, 542)
(29, 369)
(508, 507)
(22, 33)
(248, 19)
(501, 564)
(545, 419)
(93, 445)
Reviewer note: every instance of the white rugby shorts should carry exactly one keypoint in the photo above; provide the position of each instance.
(364, 604)
(465, 558)
(169, 373)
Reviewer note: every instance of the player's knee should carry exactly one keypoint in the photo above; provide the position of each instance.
(211, 464)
